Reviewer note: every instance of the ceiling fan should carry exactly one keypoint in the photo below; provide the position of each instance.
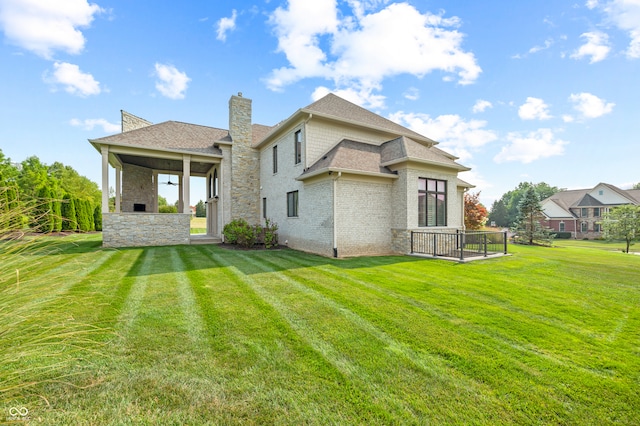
(168, 182)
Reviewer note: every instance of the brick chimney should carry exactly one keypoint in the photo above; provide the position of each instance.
(245, 162)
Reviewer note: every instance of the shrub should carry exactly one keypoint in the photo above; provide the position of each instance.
(167, 209)
(238, 231)
(563, 235)
(270, 234)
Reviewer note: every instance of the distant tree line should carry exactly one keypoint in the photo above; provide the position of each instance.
(505, 211)
(52, 198)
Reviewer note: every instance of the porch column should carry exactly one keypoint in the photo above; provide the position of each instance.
(186, 174)
(105, 178)
(118, 188)
(155, 191)
(180, 199)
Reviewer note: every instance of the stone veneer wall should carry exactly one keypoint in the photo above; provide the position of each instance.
(131, 122)
(245, 163)
(145, 229)
(137, 187)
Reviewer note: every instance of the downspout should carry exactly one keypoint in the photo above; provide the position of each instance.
(335, 211)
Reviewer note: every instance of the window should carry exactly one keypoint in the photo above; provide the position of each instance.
(561, 227)
(601, 192)
(215, 183)
(264, 208)
(432, 202)
(584, 212)
(583, 227)
(275, 159)
(292, 204)
(596, 212)
(298, 146)
(596, 227)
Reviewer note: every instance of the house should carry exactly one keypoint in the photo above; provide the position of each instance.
(339, 180)
(580, 211)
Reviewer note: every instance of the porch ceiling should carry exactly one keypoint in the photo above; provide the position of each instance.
(164, 164)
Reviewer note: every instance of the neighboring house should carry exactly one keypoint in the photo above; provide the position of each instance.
(580, 211)
(338, 179)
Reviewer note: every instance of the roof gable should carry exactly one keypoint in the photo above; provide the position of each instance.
(406, 149)
(609, 194)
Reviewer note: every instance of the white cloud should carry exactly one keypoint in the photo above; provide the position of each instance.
(481, 105)
(529, 147)
(46, 26)
(365, 48)
(171, 82)
(459, 136)
(412, 93)
(590, 106)
(225, 25)
(568, 118)
(624, 14)
(91, 123)
(547, 44)
(74, 81)
(534, 109)
(596, 47)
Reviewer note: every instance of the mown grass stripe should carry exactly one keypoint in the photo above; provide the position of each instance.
(353, 365)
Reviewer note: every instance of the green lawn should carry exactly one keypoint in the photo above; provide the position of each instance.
(199, 334)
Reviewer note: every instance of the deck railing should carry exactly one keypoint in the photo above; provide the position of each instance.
(459, 245)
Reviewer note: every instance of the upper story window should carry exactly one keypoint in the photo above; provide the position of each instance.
(584, 212)
(432, 202)
(596, 212)
(275, 159)
(298, 146)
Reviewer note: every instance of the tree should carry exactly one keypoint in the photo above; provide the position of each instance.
(499, 213)
(201, 210)
(475, 214)
(507, 213)
(530, 217)
(622, 223)
(43, 220)
(69, 220)
(636, 186)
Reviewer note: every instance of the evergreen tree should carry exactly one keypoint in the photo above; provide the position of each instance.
(201, 210)
(97, 217)
(529, 227)
(69, 221)
(43, 220)
(499, 214)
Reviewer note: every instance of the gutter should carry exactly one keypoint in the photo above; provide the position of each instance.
(335, 211)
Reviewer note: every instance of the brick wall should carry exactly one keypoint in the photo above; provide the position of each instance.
(137, 187)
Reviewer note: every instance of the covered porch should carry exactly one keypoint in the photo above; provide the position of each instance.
(140, 157)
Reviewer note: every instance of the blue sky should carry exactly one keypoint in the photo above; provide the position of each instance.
(545, 90)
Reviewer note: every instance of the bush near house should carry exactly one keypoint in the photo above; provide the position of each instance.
(240, 232)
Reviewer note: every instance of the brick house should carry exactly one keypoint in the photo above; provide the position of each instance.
(338, 179)
(580, 211)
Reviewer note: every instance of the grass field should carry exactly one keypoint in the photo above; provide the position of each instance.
(200, 334)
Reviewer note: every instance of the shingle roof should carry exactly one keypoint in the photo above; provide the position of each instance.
(589, 201)
(360, 157)
(353, 156)
(404, 148)
(170, 135)
(335, 106)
